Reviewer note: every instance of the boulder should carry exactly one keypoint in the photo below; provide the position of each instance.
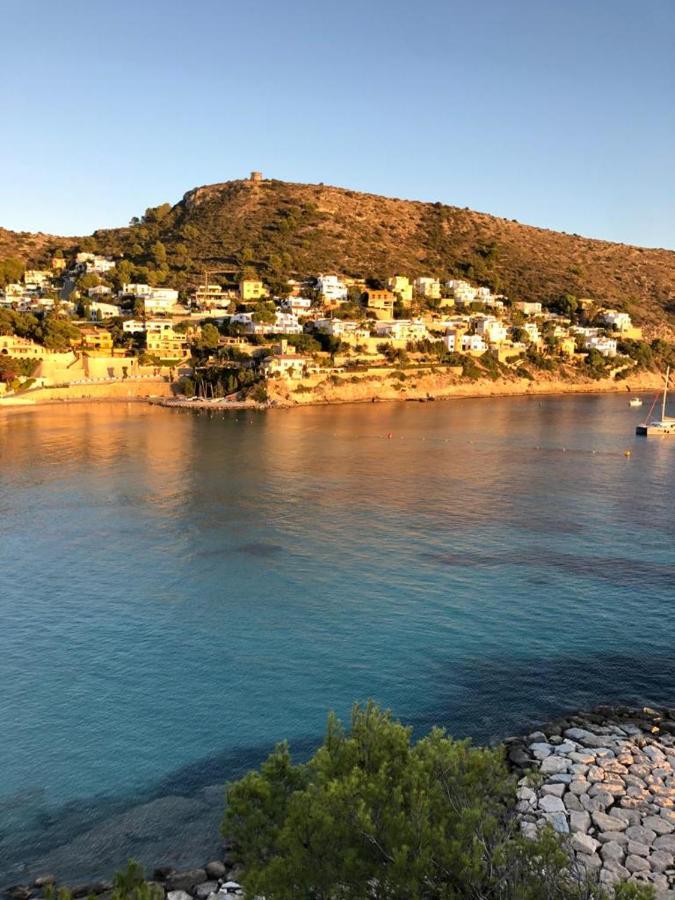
(612, 850)
(637, 849)
(603, 822)
(665, 842)
(578, 787)
(185, 880)
(657, 824)
(584, 843)
(572, 803)
(216, 869)
(637, 864)
(659, 861)
(580, 821)
(640, 834)
(178, 895)
(161, 873)
(551, 804)
(18, 892)
(553, 790)
(617, 836)
(541, 750)
(43, 880)
(558, 822)
(205, 888)
(553, 765)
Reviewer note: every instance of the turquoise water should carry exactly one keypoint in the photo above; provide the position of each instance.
(180, 590)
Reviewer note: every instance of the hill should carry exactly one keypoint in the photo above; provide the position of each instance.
(280, 229)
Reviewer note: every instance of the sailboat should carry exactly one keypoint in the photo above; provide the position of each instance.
(666, 424)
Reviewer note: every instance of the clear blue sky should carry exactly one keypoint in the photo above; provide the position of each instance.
(558, 113)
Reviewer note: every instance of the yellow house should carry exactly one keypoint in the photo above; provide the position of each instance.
(252, 290)
(381, 303)
(568, 346)
(400, 285)
(58, 263)
(161, 340)
(96, 339)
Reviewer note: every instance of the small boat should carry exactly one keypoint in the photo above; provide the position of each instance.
(666, 424)
(635, 401)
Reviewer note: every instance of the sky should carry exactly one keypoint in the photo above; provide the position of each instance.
(558, 113)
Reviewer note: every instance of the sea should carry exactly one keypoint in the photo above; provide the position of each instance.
(180, 590)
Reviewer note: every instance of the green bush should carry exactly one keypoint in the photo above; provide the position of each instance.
(374, 815)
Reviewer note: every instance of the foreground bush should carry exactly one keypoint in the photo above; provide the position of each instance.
(373, 815)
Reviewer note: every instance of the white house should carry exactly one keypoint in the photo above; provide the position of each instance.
(300, 306)
(331, 288)
(287, 365)
(401, 329)
(35, 278)
(428, 287)
(604, 345)
(160, 300)
(130, 289)
(133, 326)
(491, 329)
(99, 311)
(532, 332)
(615, 319)
(101, 290)
(528, 307)
(286, 323)
(99, 264)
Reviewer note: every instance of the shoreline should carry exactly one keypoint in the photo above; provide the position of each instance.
(590, 819)
(480, 390)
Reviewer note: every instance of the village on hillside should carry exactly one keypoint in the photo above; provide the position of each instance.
(77, 323)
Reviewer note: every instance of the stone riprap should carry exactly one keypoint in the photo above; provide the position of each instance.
(605, 780)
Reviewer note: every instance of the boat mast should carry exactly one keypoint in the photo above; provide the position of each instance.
(665, 394)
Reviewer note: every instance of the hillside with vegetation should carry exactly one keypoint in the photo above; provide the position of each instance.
(279, 230)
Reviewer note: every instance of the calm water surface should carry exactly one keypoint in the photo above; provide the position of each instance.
(181, 590)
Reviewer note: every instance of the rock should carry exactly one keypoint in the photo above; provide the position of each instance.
(603, 822)
(553, 790)
(665, 842)
(216, 869)
(541, 750)
(572, 803)
(584, 843)
(560, 778)
(178, 895)
(659, 861)
(205, 888)
(18, 892)
(617, 836)
(629, 816)
(551, 804)
(580, 821)
(640, 834)
(576, 734)
(578, 756)
(553, 765)
(612, 850)
(655, 823)
(43, 880)
(599, 803)
(185, 880)
(163, 872)
(637, 864)
(638, 849)
(558, 822)
(529, 830)
(526, 794)
(518, 757)
(578, 787)
(615, 788)
(537, 737)
(589, 861)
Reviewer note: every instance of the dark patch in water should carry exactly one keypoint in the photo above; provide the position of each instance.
(260, 549)
(617, 570)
